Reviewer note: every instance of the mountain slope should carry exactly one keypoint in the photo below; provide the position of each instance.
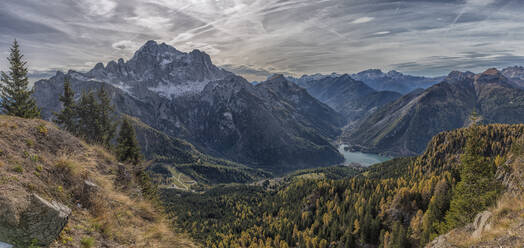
(174, 157)
(310, 111)
(55, 189)
(185, 96)
(352, 98)
(405, 126)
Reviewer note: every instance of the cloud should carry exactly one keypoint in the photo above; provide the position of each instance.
(256, 38)
(125, 45)
(382, 33)
(363, 20)
(100, 7)
(479, 2)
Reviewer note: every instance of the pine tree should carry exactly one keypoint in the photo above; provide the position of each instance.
(66, 117)
(477, 188)
(127, 147)
(105, 111)
(15, 94)
(86, 110)
(95, 118)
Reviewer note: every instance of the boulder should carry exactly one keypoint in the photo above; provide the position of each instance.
(35, 221)
(89, 194)
(481, 223)
(440, 242)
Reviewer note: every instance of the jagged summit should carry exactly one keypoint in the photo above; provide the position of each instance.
(156, 69)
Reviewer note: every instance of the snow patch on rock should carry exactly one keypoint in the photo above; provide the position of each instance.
(170, 90)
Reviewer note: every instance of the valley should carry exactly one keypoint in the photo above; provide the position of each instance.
(261, 124)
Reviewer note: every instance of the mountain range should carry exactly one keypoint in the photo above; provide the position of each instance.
(274, 125)
(394, 80)
(378, 80)
(353, 99)
(287, 123)
(404, 126)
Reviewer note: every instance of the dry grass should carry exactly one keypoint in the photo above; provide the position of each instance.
(36, 157)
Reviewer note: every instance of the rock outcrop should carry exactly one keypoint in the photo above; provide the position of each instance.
(32, 221)
(481, 223)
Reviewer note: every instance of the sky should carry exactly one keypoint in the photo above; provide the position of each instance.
(256, 38)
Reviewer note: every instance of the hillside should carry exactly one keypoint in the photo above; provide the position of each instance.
(404, 126)
(173, 158)
(310, 112)
(400, 203)
(56, 190)
(185, 96)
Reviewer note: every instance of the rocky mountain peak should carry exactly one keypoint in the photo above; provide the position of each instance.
(153, 48)
(394, 74)
(456, 76)
(276, 77)
(514, 72)
(491, 71)
(372, 73)
(491, 75)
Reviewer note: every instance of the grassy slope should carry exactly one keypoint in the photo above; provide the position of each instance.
(36, 157)
(173, 157)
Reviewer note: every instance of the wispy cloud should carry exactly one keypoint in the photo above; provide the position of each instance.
(363, 19)
(259, 37)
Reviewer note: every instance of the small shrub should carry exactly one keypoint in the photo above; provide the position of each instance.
(42, 129)
(87, 242)
(35, 158)
(29, 142)
(18, 168)
(66, 239)
(66, 166)
(39, 168)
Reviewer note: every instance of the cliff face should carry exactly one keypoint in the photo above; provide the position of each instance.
(57, 191)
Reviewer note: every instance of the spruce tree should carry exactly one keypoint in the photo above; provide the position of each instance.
(86, 110)
(127, 148)
(66, 117)
(477, 188)
(14, 91)
(106, 124)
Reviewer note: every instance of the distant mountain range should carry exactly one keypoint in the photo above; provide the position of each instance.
(404, 126)
(394, 80)
(275, 125)
(353, 99)
(378, 80)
